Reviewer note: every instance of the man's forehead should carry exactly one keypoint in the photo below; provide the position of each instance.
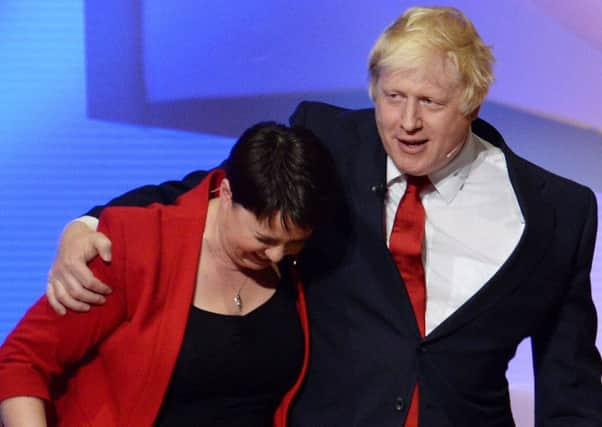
(436, 68)
(422, 79)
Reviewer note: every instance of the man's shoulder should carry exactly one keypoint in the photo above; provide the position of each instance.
(557, 189)
(335, 126)
(525, 169)
(310, 113)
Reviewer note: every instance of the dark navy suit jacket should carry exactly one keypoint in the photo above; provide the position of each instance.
(367, 352)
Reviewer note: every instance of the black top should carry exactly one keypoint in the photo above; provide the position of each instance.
(234, 370)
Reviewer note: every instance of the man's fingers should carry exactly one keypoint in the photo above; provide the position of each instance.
(65, 299)
(103, 246)
(98, 287)
(56, 306)
(80, 279)
(81, 291)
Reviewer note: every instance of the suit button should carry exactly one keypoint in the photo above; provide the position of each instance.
(399, 404)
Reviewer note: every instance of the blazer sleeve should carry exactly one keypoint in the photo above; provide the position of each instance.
(165, 193)
(43, 344)
(568, 369)
(322, 119)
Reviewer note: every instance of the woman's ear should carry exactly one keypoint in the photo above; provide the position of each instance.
(225, 193)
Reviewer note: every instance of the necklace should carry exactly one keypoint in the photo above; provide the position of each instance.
(237, 299)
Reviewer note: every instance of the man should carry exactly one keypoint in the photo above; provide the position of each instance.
(448, 251)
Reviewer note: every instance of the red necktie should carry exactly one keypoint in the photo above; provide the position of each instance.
(406, 248)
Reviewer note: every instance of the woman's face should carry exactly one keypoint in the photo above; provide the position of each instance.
(255, 244)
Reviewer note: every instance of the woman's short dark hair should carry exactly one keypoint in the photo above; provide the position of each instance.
(274, 169)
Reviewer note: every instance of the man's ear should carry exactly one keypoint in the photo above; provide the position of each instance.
(475, 113)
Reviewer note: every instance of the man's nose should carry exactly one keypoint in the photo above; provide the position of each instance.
(410, 117)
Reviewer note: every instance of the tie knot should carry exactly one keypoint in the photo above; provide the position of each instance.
(417, 183)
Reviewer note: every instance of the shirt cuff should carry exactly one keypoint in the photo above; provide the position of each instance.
(90, 221)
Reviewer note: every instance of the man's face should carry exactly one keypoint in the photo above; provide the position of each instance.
(418, 116)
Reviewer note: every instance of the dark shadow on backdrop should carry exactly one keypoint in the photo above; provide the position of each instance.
(116, 88)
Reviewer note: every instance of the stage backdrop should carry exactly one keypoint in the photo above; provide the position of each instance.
(98, 97)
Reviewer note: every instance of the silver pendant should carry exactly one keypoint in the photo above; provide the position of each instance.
(238, 302)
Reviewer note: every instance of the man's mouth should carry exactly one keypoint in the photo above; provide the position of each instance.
(413, 141)
(412, 146)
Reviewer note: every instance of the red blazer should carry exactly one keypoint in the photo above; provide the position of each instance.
(124, 351)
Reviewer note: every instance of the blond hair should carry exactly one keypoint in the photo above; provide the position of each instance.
(423, 31)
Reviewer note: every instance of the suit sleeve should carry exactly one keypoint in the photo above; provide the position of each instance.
(165, 193)
(298, 116)
(568, 369)
(43, 344)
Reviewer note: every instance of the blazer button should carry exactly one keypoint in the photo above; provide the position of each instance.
(400, 404)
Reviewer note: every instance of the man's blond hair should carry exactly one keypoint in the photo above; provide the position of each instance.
(420, 33)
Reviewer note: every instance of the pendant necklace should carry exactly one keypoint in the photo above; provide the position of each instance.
(237, 298)
(238, 302)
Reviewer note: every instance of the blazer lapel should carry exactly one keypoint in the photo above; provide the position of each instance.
(182, 227)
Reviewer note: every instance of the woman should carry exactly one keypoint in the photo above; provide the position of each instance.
(207, 321)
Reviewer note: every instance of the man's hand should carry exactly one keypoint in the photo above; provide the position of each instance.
(71, 284)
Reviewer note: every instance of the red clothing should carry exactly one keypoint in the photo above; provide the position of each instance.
(125, 350)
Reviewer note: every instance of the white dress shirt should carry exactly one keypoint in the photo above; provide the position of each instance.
(473, 223)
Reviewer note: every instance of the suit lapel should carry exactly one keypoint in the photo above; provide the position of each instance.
(532, 247)
(367, 173)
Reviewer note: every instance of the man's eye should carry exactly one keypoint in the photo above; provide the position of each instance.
(394, 97)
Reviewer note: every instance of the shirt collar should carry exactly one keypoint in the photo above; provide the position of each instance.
(449, 180)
